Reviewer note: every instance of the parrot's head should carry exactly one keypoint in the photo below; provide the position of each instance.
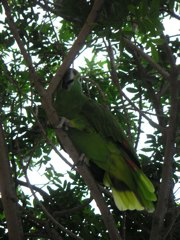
(69, 96)
(70, 83)
(71, 79)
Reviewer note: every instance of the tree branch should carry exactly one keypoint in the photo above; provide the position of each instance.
(54, 118)
(49, 216)
(169, 228)
(50, 142)
(169, 53)
(171, 13)
(140, 118)
(78, 44)
(165, 186)
(39, 190)
(153, 96)
(156, 66)
(34, 77)
(151, 122)
(9, 199)
(115, 81)
(74, 209)
(89, 180)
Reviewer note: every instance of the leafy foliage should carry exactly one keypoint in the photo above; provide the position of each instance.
(115, 75)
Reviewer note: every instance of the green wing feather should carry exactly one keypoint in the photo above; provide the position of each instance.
(105, 123)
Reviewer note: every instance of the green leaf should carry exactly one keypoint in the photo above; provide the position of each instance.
(154, 53)
(132, 90)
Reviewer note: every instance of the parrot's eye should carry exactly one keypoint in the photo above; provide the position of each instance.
(68, 78)
(69, 82)
(66, 84)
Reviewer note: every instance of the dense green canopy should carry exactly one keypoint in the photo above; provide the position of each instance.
(131, 68)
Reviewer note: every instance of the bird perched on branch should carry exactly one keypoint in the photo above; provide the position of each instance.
(96, 133)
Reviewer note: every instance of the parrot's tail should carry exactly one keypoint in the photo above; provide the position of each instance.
(132, 199)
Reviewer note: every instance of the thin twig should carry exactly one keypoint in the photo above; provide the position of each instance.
(74, 209)
(49, 216)
(153, 96)
(171, 13)
(115, 80)
(98, 87)
(155, 65)
(39, 190)
(151, 122)
(140, 118)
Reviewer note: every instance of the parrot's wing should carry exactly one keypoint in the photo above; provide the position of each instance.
(126, 195)
(106, 124)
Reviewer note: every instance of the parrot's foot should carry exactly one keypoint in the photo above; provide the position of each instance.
(82, 160)
(63, 123)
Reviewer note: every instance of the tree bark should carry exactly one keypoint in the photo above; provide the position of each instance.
(165, 187)
(9, 199)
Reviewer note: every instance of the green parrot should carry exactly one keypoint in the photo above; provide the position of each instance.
(96, 133)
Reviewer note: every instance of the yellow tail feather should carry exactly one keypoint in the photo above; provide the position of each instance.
(126, 200)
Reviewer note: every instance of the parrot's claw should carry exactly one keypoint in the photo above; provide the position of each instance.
(82, 160)
(63, 123)
(82, 157)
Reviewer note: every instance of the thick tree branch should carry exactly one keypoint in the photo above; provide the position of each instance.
(176, 214)
(169, 53)
(54, 118)
(89, 180)
(161, 209)
(9, 199)
(78, 44)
